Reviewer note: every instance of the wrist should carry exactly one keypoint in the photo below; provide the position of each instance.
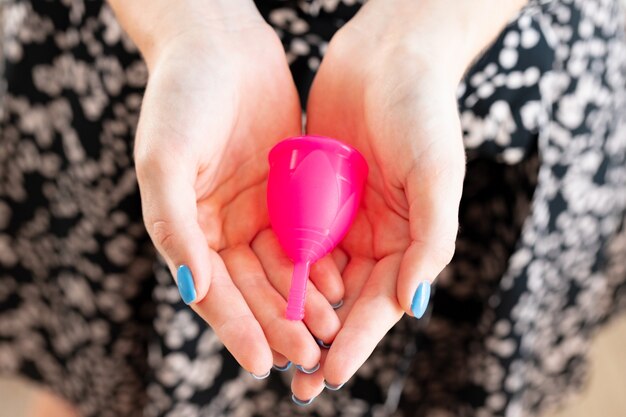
(158, 25)
(445, 35)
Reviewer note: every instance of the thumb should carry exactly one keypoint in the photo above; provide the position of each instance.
(170, 215)
(434, 194)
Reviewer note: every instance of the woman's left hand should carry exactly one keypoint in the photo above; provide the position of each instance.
(387, 86)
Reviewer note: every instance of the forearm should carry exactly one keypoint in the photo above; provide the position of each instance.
(447, 33)
(151, 24)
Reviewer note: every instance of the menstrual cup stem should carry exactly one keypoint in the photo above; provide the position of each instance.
(295, 304)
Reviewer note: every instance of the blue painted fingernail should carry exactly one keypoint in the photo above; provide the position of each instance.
(420, 299)
(300, 402)
(336, 306)
(333, 387)
(260, 376)
(321, 343)
(185, 284)
(308, 371)
(282, 368)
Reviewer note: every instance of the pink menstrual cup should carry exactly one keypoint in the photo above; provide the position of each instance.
(313, 192)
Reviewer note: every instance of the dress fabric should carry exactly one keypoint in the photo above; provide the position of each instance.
(89, 311)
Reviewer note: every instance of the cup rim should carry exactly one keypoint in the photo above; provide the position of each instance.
(325, 143)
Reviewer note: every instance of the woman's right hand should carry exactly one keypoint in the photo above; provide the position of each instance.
(219, 96)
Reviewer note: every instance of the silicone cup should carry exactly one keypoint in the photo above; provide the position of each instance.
(313, 192)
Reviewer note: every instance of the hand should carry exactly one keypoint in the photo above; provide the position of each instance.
(387, 86)
(218, 98)
(384, 99)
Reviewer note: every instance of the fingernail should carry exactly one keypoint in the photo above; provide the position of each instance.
(336, 306)
(333, 387)
(321, 343)
(420, 299)
(308, 371)
(282, 368)
(185, 284)
(260, 376)
(300, 402)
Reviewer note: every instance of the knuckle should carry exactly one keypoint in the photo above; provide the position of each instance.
(162, 234)
(261, 240)
(148, 164)
(444, 252)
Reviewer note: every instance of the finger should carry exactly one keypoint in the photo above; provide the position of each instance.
(281, 363)
(356, 274)
(327, 279)
(434, 194)
(290, 338)
(235, 325)
(307, 386)
(341, 259)
(169, 208)
(319, 316)
(374, 312)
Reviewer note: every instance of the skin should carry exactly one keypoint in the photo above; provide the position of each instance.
(46, 404)
(387, 86)
(220, 95)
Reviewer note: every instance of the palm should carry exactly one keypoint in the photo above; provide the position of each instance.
(262, 107)
(336, 109)
(378, 230)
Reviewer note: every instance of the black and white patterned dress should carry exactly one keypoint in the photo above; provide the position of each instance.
(87, 309)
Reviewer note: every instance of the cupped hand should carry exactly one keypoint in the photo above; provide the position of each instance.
(218, 98)
(380, 93)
